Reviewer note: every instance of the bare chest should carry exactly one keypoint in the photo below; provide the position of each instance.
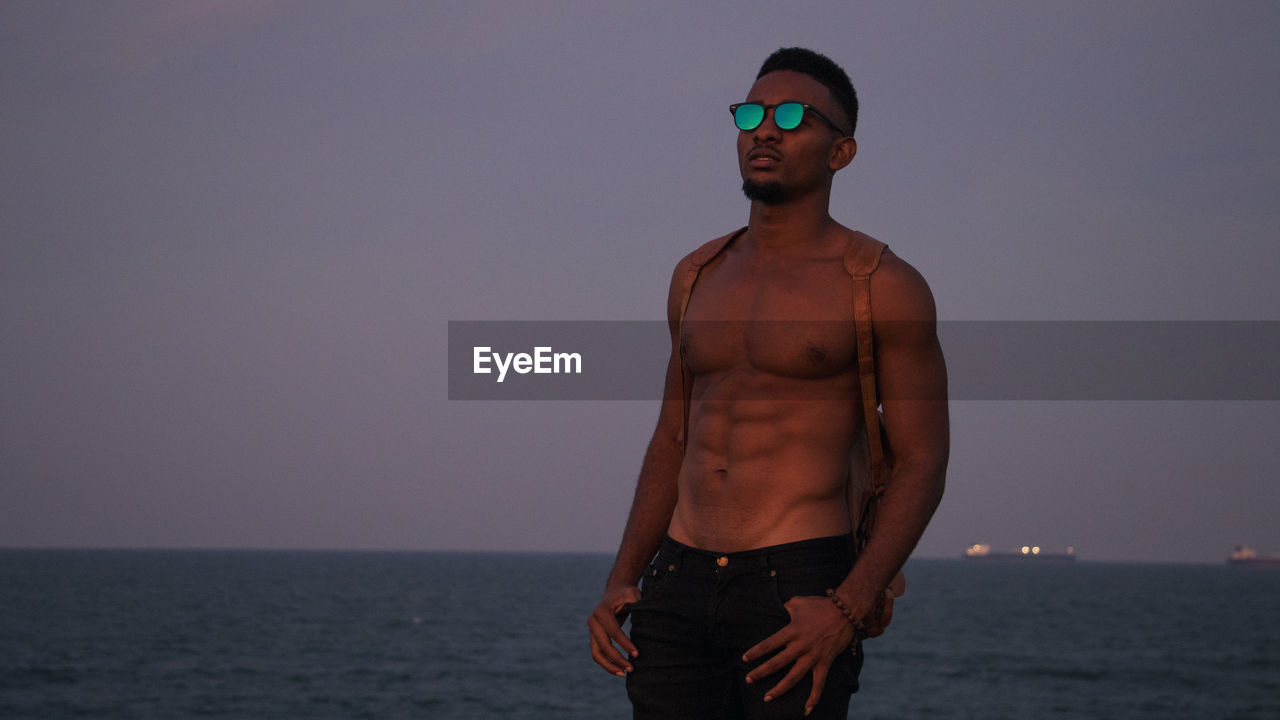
(792, 321)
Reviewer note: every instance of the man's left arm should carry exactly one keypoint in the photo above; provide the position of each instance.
(912, 380)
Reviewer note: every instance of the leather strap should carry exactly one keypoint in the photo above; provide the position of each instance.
(861, 260)
(692, 266)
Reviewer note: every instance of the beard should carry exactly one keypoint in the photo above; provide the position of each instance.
(768, 193)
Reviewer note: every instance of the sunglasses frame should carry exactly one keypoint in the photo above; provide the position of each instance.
(733, 110)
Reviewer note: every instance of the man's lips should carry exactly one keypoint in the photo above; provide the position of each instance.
(762, 158)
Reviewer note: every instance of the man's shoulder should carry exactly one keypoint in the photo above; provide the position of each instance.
(863, 253)
(900, 292)
(897, 287)
(708, 250)
(686, 271)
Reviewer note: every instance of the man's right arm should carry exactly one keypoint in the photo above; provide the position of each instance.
(651, 508)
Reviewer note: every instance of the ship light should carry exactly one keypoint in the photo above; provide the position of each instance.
(1035, 551)
(1025, 549)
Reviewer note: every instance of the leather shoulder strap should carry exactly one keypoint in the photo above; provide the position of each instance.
(691, 266)
(863, 255)
(861, 260)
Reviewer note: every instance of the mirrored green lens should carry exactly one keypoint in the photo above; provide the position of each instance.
(748, 116)
(788, 115)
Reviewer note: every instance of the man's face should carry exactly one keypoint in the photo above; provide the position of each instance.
(777, 164)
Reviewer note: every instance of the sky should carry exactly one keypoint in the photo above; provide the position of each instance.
(233, 235)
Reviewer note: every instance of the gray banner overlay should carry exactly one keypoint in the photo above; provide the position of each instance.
(1013, 360)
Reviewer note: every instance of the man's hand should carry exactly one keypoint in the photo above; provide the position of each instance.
(817, 634)
(605, 626)
(874, 626)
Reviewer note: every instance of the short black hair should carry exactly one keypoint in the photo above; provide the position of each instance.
(820, 68)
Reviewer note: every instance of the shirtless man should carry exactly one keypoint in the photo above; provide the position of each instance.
(742, 521)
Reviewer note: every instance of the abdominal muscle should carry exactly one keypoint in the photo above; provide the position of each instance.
(758, 473)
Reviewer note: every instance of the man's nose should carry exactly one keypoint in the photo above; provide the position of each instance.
(767, 129)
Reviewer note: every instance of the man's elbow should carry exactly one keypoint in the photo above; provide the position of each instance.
(937, 486)
(934, 468)
(668, 435)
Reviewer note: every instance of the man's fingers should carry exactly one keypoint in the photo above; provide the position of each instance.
(624, 642)
(819, 682)
(607, 663)
(603, 651)
(608, 657)
(771, 666)
(768, 645)
(612, 616)
(898, 584)
(613, 630)
(787, 682)
(877, 626)
(619, 616)
(887, 615)
(604, 632)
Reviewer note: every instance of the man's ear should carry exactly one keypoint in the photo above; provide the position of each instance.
(842, 152)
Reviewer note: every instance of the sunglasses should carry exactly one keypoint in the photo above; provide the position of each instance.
(787, 115)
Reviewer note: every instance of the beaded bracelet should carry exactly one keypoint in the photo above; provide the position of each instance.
(844, 610)
(858, 628)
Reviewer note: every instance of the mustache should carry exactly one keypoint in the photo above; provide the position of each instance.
(764, 152)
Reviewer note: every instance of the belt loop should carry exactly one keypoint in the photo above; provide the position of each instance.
(767, 562)
(677, 558)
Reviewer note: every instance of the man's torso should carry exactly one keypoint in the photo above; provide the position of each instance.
(775, 406)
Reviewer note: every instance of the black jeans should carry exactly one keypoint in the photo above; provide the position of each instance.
(698, 613)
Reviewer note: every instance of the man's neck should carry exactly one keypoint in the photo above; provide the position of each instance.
(790, 226)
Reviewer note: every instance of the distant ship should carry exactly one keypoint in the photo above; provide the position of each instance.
(1245, 555)
(1026, 553)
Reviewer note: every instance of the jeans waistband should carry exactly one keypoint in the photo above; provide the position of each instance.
(822, 551)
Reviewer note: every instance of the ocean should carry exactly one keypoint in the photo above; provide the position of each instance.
(249, 634)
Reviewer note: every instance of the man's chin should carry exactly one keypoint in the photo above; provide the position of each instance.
(767, 193)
